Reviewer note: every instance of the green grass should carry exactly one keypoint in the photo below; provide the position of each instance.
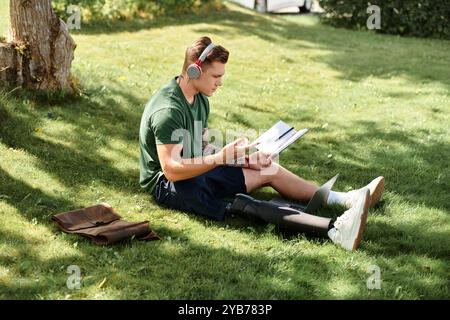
(375, 105)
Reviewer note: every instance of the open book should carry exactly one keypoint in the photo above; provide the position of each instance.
(278, 138)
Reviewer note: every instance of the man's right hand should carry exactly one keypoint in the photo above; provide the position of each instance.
(233, 151)
(259, 160)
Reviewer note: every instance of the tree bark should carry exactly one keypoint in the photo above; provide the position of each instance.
(43, 45)
(8, 64)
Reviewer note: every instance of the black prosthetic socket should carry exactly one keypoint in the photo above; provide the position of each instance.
(285, 218)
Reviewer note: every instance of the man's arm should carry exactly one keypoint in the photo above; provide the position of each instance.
(175, 168)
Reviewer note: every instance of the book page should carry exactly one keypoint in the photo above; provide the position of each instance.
(289, 141)
(273, 133)
(278, 138)
(268, 141)
(274, 145)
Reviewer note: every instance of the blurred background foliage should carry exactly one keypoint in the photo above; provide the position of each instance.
(424, 18)
(93, 10)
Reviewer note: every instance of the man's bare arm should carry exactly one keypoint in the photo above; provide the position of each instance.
(175, 168)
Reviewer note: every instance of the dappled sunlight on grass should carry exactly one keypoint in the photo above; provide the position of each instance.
(340, 288)
(25, 167)
(374, 104)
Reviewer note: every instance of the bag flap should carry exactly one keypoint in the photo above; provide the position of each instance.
(97, 215)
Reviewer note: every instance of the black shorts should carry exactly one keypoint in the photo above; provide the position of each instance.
(205, 194)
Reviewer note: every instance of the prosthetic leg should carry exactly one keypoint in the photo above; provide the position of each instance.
(287, 215)
(316, 202)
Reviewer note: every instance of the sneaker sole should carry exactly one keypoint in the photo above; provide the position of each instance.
(375, 195)
(363, 221)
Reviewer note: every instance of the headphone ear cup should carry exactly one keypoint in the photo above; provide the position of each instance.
(194, 71)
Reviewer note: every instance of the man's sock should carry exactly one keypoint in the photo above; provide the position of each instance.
(338, 198)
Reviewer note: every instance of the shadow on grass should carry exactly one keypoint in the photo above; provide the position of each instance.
(31, 202)
(75, 161)
(142, 267)
(412, 167)
(140, 270)
(405, 238)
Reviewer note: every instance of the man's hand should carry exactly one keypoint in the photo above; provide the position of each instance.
(233, 151)
(259, 160)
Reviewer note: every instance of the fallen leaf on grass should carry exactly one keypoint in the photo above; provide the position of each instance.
(101, 283)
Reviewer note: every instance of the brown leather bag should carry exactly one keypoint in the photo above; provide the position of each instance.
(103, 225)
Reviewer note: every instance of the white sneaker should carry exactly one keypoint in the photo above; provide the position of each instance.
(348, 227)
(376, 187)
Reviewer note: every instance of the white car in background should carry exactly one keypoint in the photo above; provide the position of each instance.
(275, 5)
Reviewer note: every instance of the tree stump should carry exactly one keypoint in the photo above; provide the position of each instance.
(8, 64)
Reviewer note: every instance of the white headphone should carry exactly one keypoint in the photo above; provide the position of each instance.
(194, 71)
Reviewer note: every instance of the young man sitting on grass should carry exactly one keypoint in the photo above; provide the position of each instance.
(179, 174)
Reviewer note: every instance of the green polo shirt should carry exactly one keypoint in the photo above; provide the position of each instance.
(168, 118)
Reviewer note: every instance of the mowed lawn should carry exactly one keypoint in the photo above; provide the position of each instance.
(374, 104)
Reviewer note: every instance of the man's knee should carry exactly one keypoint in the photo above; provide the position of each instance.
(271, 172)
(261, 178)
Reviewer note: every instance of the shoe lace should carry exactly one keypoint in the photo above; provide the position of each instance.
(340, 220)
(352, 197)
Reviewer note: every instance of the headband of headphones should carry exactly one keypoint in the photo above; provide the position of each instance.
(205, 53)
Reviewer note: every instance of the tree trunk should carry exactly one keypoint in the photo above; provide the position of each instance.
(43, 48)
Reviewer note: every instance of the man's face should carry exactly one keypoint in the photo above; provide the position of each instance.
(211, 78)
